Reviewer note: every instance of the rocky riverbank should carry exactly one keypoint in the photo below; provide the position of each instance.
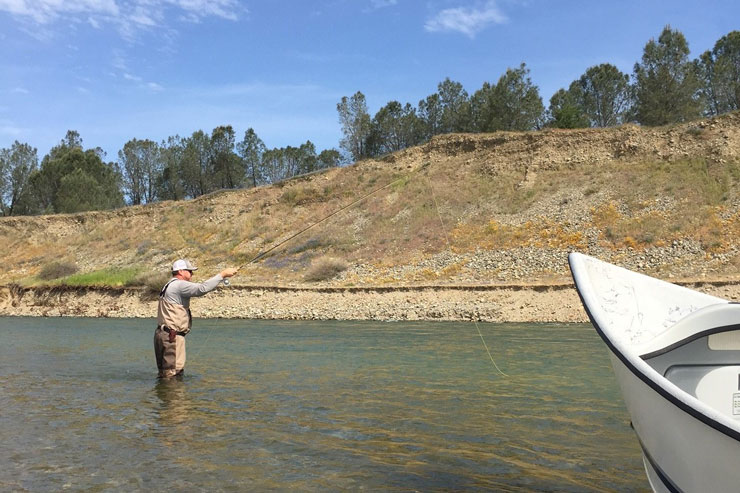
(505, 303)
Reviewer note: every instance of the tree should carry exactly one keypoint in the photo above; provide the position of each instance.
(141, 166)
(719, 71)
(355, 121)
(170, 183)
(273, 165)
(430, 116)
(79, 192)
(513, 103)
(329, 158)
(306, 158)
(4, 179)
(455, 105)
(280, 164)
(481, 109)
(394, 127)
(17, 164)
(71, 140)
(605, 95)
(227, 168)
(71, 179)
(196, 170)
(667, 87)
(565, 110)
(251, 149)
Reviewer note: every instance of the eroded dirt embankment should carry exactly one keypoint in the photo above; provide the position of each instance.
(542, 303)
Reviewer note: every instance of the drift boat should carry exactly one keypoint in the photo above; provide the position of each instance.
(676, 356)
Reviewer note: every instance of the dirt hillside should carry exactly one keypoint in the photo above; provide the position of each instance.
(463, 210)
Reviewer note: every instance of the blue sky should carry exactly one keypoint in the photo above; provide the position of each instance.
(120, 69)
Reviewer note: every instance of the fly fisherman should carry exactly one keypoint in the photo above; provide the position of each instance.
(174, 318)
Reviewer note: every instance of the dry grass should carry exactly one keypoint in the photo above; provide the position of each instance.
(325, 268)
(477, 198)
(542, 233)
(152, 282)
(57, 270)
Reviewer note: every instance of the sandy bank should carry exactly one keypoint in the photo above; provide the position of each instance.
(511, 303)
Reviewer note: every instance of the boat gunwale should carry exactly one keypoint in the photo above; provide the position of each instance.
(695, 411)
(693, 337)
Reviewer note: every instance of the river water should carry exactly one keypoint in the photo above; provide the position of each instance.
(310, 406)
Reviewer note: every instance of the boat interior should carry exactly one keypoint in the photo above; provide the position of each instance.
(706, 367)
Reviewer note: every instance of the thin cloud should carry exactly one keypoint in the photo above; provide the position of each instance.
(142, 16)
(140, 82)
(466, 20)
(259, 90)
(379, 4)
(226, 9)
(127, 16)
(45, 11)
(8, 128)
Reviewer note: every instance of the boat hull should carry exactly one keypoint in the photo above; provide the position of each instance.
(682, 449)
(687, 426)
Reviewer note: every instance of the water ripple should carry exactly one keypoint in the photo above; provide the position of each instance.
(312, 406)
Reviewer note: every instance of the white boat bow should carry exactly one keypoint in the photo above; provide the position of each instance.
(676, 356)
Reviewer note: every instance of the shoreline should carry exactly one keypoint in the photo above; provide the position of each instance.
(522, 303)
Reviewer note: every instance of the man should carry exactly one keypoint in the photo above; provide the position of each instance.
(174, 318)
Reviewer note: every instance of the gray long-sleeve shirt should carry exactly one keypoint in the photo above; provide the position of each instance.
(180, 291)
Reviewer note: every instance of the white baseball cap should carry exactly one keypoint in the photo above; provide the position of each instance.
(182, 264)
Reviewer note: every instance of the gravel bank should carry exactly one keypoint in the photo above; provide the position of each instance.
(523, 303)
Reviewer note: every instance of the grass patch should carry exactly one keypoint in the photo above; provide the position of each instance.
(111, 277)
(652, 228)
(494, 235)
(693, 179)
(302, 195)
(400, 183)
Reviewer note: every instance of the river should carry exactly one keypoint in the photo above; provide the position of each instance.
(310, 406)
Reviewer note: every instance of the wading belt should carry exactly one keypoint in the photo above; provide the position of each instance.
(171, 331)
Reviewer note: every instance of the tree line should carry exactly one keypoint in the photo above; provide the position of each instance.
(71, 178)
(665, 87)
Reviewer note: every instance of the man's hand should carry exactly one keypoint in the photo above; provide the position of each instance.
(228, 272)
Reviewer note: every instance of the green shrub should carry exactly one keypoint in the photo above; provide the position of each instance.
(56, 270)
(325, 268)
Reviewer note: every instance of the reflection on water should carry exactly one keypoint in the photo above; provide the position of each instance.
(312, 406)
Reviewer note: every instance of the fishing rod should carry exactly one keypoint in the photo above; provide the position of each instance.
(325, 218)
(255, 259)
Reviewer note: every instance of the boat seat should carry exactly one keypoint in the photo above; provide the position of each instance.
(716, 386)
